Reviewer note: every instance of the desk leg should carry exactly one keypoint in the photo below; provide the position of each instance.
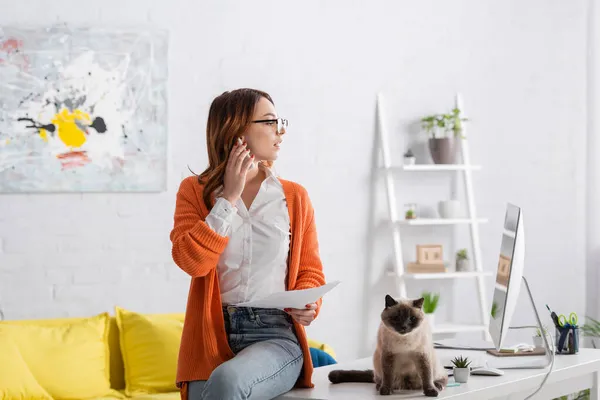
(595, 389)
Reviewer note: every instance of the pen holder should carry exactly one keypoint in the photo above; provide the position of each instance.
(567, 339)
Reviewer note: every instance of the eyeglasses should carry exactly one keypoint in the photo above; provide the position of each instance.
(281, 123)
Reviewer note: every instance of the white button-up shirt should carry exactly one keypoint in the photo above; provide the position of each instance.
(254, 263)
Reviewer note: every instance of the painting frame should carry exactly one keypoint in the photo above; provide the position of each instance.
(83, 109)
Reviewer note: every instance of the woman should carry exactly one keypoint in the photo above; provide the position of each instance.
(241, 234)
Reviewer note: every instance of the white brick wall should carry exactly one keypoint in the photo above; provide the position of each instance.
(520, 66)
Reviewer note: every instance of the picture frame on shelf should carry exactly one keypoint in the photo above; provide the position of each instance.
(430, 254)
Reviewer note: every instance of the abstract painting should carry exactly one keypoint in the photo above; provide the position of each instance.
(83, 109)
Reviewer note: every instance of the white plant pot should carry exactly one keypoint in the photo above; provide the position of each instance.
(430, 319)
(409, 160)
(538, 341)
(449, 209)
(461, 375)
(463, 265)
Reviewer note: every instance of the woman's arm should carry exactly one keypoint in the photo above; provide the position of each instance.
(196, 246)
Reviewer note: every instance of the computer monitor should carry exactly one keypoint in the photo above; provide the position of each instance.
(509, 274)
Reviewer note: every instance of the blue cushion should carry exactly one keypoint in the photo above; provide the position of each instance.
(320, 358)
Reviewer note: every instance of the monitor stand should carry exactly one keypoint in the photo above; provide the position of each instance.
(525, 362)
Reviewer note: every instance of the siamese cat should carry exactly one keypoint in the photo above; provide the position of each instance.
(404, 358)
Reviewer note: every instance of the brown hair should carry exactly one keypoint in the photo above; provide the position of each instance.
(229, 117)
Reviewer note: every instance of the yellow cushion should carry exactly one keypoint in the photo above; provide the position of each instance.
(159, 396)
(116, 360)
(150, 347)
(70, 360)
(321, 346)
(16, 380)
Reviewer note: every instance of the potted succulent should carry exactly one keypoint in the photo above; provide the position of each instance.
(409, 158)
(430, 305)
(443, 129)
(462, 261)
(461, 369)
(410, 211)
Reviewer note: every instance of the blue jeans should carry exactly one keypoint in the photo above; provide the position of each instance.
(268, 358)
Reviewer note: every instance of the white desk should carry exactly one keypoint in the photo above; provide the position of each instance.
(570, 374)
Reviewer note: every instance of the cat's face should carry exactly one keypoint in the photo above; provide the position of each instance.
(404, 316)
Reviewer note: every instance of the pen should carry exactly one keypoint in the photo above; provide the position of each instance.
(554, 317)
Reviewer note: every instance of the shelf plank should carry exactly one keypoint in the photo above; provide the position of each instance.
(441, 221)
(456, 328)
(434, 167)
(447, 275)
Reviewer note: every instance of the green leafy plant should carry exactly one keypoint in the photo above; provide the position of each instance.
(581, 395)
(431, 302)
(462, 254)
(460, 362)
(592, 328)
(410, 214)
(538, 333)
(444, 125)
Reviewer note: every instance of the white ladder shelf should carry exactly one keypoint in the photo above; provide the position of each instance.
(472, 220)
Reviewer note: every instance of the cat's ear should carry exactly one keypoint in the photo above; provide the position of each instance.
(418, 303)
(389, 301)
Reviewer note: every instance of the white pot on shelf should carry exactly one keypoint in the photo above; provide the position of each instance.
(538, 341)
(410, 160)
(449, 209)
(463, 265)
(461, 375)
(430, 319)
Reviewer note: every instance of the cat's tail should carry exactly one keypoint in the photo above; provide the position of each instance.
(341, 376)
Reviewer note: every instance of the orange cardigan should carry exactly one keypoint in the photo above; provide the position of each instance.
(196, 250)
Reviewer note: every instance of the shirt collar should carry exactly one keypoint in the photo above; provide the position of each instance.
(271, 175)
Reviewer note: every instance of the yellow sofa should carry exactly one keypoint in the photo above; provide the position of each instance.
(141, 333)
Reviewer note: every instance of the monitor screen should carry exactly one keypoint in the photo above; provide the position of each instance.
(500, 313)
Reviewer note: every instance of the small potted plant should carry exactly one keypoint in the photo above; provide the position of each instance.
(410, 211)
(409, 158)
(443, 129)
(430, 305)
(461, 369)
(462, 261)
(538, 340)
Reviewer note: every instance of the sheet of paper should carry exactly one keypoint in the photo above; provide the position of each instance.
(291, 298)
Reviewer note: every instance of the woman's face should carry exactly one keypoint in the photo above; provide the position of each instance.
(262, 137)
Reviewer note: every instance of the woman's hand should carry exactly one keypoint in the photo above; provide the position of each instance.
(303, 316)
(235, 172)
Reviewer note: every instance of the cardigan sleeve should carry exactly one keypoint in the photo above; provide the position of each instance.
(196, 247)
(310, 273)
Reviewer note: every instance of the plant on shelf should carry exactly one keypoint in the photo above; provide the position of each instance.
(461, 369)
(462, 261)
(410, 214)
(592, 330)
(430, 304)
(409, 157)
(440, 126)
(538, 340)
(443, 129)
